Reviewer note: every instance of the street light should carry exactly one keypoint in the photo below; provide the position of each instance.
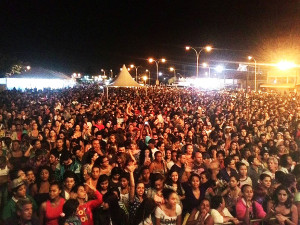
(172, 69)
(102, 70)
(149, 75)
(28, 67)
(151, 60)
(219, 68)
(207, 48)
(205, 65)
(285, 65)
(252, 58)
(136, 68)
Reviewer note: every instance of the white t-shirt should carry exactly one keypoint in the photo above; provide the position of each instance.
(218, 218)
(167, 220)
(147, 221)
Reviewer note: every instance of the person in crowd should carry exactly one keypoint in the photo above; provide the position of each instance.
(232, 193)
(193, 195)
(158, 165)
(254, 170)
(229, 169)
(282, 207)
(201, 214)
(219, 212)
(51, 210)
(40, 190)
(69, 181)
(24, 214)
(263, 192)
(68, 216)
(18, 189)
(155, 192)
(248, 209)
(85, 208)
(144, 212)
(243, 173)
(173, 183)
(169, 212)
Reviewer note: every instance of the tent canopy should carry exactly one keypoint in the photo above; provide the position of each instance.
(124, 79)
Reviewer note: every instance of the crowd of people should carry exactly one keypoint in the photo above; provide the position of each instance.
(167, 156)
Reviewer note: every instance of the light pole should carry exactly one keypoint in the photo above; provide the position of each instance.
(251, 57)
(149, 75)
(163, 60)
(145, 79)
(205, 65)
(111, 73)
(207, 48)
(102, 70)
(172, 69)
(136, 68)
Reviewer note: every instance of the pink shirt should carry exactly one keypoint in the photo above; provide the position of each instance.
(241, 210)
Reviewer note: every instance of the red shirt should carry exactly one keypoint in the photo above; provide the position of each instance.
(84, 211)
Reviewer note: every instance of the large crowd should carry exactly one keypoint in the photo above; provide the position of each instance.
(166, 156)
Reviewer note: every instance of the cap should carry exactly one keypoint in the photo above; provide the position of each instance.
(17, 183)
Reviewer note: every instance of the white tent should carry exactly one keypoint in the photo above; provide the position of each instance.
(124, 79)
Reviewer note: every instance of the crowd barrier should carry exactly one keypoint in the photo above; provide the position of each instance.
(261, 221)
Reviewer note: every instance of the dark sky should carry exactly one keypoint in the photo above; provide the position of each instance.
(86, 35)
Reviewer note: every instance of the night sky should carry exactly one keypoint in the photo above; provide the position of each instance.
(86, 36)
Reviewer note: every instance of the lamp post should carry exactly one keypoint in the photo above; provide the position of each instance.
(252, 58)
(163, 60)
(172, 69)
(136, 68)
(102, 70)
(205, 65)
(111, 73)
(149, 75)
(145, 79)
(207, 48)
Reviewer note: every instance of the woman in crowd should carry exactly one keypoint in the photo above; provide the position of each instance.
(40, 190)
(51, 210)
(193, 195)
(169, 212)
(263, 191)
(173, 183)
(282, 207)
(68, 216)
(219, 212)
(144, 212)
(156, 189)
(201, 214)
(158, 165)
(232, 193)
(248, 209)
(85, 208)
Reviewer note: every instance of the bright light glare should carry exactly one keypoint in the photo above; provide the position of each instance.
(40, 84)
(102, 70)
(128, 69)
(204, 65)
(208, 48)
(145, 78)
(187, 48)
(147, 70)
(131, 65)
(285, 65)
(150, 60)
(163, 60)
(172, 69)
(160, 73)
(28, 67)
(249, 57)
(219, 68)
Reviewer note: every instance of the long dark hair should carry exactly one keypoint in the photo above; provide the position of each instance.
(289, 201)
(69, 209)
(115, 210)
(170, 182)
(146, 208)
